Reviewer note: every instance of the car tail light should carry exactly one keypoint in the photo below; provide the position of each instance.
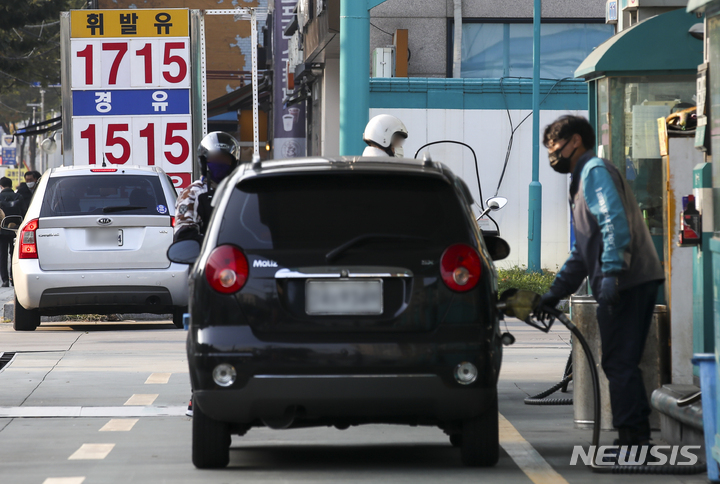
(28, 246)
(226, 269)
(460, 267)
(172, 221)
(103, 170)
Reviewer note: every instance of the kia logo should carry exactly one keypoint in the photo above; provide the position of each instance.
(104, 221)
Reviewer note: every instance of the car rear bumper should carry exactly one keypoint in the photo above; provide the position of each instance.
(412, 398)
(371, 378)
(127, 291)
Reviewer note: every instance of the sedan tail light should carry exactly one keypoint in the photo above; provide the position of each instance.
(460, 267)
(227, 269)
(28, 239)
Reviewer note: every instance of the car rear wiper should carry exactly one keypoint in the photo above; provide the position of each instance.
(121, 208)
(333, 254)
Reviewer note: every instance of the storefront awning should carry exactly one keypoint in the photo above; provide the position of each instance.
(238, 99)
(658, 45)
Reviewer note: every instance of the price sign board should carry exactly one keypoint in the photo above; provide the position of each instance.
(130, 88)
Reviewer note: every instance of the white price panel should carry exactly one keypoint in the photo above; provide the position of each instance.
(141, 140)
(136, 63)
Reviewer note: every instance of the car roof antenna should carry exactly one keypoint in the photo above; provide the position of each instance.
(104, 159)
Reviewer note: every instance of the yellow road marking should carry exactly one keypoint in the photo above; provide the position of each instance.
(92, 452)
(142, 399)
(158, 378)
(119, 425)
(526, 457)
(64, 480)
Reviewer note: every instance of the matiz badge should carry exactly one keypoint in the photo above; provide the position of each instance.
(264, 263)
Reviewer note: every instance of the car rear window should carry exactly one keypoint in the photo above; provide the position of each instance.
(322, 211)
(99, 194)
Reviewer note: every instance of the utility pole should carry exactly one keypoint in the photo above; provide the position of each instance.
(535, 194)
(33, 139)
(354, 73)
(43, 156)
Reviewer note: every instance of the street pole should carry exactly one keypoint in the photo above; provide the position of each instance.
(43, 155)
(535, 194)
(354, 73)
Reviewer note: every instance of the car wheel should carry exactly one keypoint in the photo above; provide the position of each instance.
(479, 446)
(456, 440)
(25, 319)
(210, 441)
(178, 314)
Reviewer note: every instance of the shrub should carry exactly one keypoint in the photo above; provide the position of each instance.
(518, 277)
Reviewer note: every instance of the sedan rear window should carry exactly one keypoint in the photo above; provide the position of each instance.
(323, 211)
(101, 194)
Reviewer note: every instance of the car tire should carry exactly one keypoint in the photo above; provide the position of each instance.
(25, 319)
(456, 440)
(178, 314)
(479, 445)
(210, 441)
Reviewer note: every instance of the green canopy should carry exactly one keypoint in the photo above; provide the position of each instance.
(658, 45)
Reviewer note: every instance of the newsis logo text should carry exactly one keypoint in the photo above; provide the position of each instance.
(656, 455)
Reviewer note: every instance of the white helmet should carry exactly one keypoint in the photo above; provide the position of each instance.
(381, 128)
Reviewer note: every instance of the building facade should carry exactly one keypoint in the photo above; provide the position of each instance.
(486, 108)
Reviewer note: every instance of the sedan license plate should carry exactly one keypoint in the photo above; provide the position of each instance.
(349, 298)
(104, 237)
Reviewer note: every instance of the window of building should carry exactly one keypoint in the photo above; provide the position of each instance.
(493, 49)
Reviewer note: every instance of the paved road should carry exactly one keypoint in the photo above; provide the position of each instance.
(104, 403)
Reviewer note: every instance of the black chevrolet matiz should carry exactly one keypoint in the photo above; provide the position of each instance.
(341, 292)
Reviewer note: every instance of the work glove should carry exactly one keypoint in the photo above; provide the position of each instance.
(609, 293)
(547, 300)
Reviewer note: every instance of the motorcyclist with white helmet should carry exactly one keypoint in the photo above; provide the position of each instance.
(218, 155)
(385, 135)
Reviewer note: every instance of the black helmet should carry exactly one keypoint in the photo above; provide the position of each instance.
(215, 143)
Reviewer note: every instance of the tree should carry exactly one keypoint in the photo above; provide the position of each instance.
(30, 55)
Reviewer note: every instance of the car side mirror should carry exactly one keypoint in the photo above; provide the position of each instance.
(497, 247)
(496, 203)
(184, 251)
(11, 222)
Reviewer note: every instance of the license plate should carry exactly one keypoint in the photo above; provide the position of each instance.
(104, 237)
(351, 298)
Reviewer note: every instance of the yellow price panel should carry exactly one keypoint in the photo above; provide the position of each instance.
(16, 175)
(169, 22)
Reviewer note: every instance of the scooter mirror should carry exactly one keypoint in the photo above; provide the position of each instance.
(518, 303)
(496, 203)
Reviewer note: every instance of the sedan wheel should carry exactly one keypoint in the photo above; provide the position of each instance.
(210, 441)
(25, 320)
(479, 445)
(178, 314)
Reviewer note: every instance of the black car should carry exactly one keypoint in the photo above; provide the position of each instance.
(339, 292)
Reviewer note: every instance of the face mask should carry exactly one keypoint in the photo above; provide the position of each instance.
(560, 163)
(218, 171)
(399, 152)
(30, 184)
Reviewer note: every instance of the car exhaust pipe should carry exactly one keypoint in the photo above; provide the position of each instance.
(284, 422)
